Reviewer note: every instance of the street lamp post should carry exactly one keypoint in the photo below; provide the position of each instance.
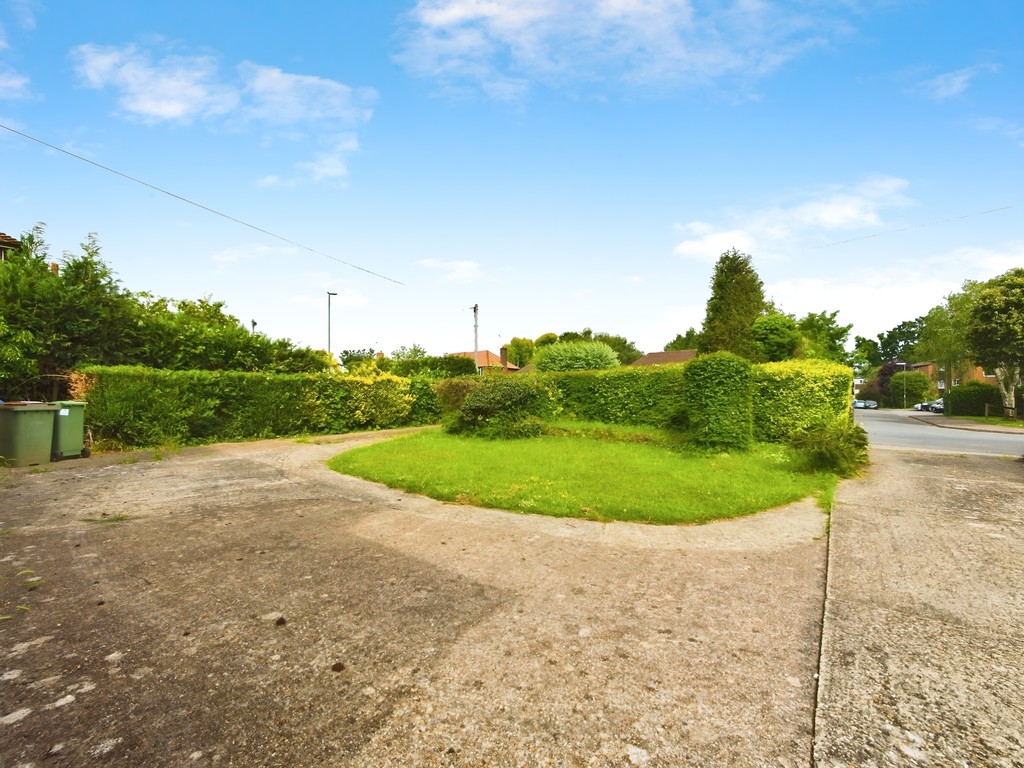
(904, 384)
(329, 294)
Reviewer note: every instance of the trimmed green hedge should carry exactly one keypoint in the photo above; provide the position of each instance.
(795, 394)
(970, 397)
(718, 398)
(627, 395)
(136, 406)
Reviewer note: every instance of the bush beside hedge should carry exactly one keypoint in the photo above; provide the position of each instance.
(136, 406)
(505, 407)
(718, 399)
(627, 395)
(792, 395)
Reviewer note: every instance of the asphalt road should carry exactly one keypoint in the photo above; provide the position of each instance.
(912, 429)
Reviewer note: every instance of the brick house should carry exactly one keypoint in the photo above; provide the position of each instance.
(487, 361)
(664, 358)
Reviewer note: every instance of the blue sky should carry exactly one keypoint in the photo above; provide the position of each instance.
(561, 163)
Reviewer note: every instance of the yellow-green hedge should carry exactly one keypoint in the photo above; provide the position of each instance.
(794, 394)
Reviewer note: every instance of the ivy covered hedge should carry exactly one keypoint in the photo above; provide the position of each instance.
(627, 395)
(135, 406)
(792, 395)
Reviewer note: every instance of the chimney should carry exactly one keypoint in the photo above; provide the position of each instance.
(504, 358)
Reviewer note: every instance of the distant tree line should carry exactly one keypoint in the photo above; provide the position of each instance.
(60, 314)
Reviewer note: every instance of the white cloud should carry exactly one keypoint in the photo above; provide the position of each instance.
(454, 271)
(274, 96)
(329, 165)
(288, 107)
(1011, 130)
(175, 88)
(807, 219)
(25, 12)
(499, 48)
(13, 85)
(951, 84)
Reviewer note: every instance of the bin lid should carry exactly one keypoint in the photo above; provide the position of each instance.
(26, 404)
(68, 403)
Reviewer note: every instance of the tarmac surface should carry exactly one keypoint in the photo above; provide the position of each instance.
(243, 605)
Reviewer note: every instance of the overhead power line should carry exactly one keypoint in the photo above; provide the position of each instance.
(907, 228)
(200, 205)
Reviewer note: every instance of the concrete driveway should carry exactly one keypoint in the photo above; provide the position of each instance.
(257, 609)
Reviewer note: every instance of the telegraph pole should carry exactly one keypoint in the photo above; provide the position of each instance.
(329, 294)
(476, 329)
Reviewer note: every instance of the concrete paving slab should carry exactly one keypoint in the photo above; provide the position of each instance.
(923, 638)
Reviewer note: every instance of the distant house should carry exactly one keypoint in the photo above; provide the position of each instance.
(487, 361)
(938, 375)
(664, 358)
(7, 243)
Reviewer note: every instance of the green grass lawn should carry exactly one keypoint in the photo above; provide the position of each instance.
(600, 474)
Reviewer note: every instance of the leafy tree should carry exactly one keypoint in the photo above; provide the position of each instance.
(415, 352)
(776, 337)
(625, 350)
(349, 357)
(995, 330)
(824, 338)
(585, 335)
(909, 387)
(576, 356)
(867, 353)
(545, 339)
(737, 299)
(943, 335)
(898, 343)
(17, 367)
(520, 351)
(689, 340)
(60, 316)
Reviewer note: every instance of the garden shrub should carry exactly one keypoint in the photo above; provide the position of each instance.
(836, 445)
(793, 394)
(426, 408)
(717, 397)
(969, 399)
(451, 393)
(918, 389)
(505, 407)
(575, 356)
(624, 395)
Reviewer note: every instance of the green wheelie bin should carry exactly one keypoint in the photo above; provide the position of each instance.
(69, 430)
(26, 433)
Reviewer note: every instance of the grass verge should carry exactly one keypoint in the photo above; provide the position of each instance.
(596, 472)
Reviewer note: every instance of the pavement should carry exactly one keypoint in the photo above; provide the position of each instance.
(243, 605)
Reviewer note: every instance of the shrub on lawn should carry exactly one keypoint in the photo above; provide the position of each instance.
(505, 407)
(837, 445)
(793, 394)
(969, 399)
(575, 356)
(717, 397)
(452, 393)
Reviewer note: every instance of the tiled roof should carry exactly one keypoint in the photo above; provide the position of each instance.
(486, 359)
(6, 241)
